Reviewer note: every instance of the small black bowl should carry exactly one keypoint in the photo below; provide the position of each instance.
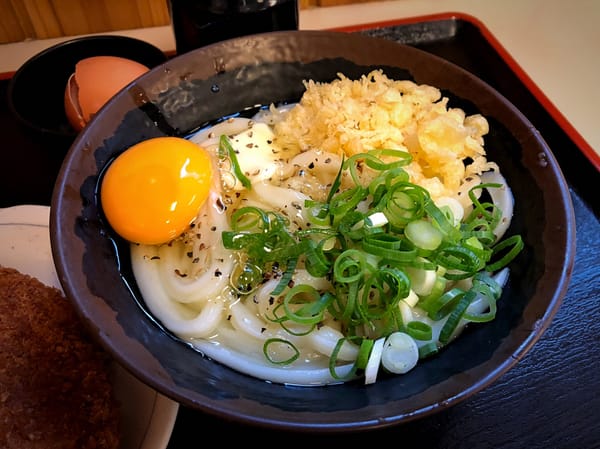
(36, 91)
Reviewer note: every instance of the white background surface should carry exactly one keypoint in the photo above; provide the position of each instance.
(556, 43)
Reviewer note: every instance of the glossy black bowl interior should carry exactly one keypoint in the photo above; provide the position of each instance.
(236, 75)
(36, 90)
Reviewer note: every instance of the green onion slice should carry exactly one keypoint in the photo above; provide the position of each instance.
(225, 148)
(372, 240)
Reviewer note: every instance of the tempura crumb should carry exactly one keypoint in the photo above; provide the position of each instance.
(353, 116)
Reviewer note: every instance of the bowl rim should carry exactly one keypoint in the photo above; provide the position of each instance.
(61, 224)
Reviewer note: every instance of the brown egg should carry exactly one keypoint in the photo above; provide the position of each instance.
(95, 81)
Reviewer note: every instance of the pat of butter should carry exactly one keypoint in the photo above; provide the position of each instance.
(257, 153)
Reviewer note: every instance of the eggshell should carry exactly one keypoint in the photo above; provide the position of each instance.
(95, 81)
(72, 109)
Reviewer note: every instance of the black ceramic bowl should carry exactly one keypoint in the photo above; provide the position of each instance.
(228, 77)
(36, 90)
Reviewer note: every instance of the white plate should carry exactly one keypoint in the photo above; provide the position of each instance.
(147, 417)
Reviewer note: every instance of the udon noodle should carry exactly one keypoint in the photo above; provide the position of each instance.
(230, 308)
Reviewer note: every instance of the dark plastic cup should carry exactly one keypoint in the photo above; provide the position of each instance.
(197, 23)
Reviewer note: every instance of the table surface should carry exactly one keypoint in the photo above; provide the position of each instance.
(551, 397)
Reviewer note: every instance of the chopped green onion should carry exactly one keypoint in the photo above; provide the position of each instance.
(515, 245)
(442, 221)
(422, 281)
(245, 278)
(349, 266)
(400, 353)
(419, 330)
(428, 349)
(437, 289)
(438, 307)
(423, 234)
(389, 254)
(363, 353)
(283, 343)
(462, 260)
(286, 279)
(303, 304)
(225, 148)
(389, 247)
(455, 316)
(374, 361)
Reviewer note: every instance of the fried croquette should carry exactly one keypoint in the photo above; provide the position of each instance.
(55, 389)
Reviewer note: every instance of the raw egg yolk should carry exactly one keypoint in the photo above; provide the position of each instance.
(153, 191)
